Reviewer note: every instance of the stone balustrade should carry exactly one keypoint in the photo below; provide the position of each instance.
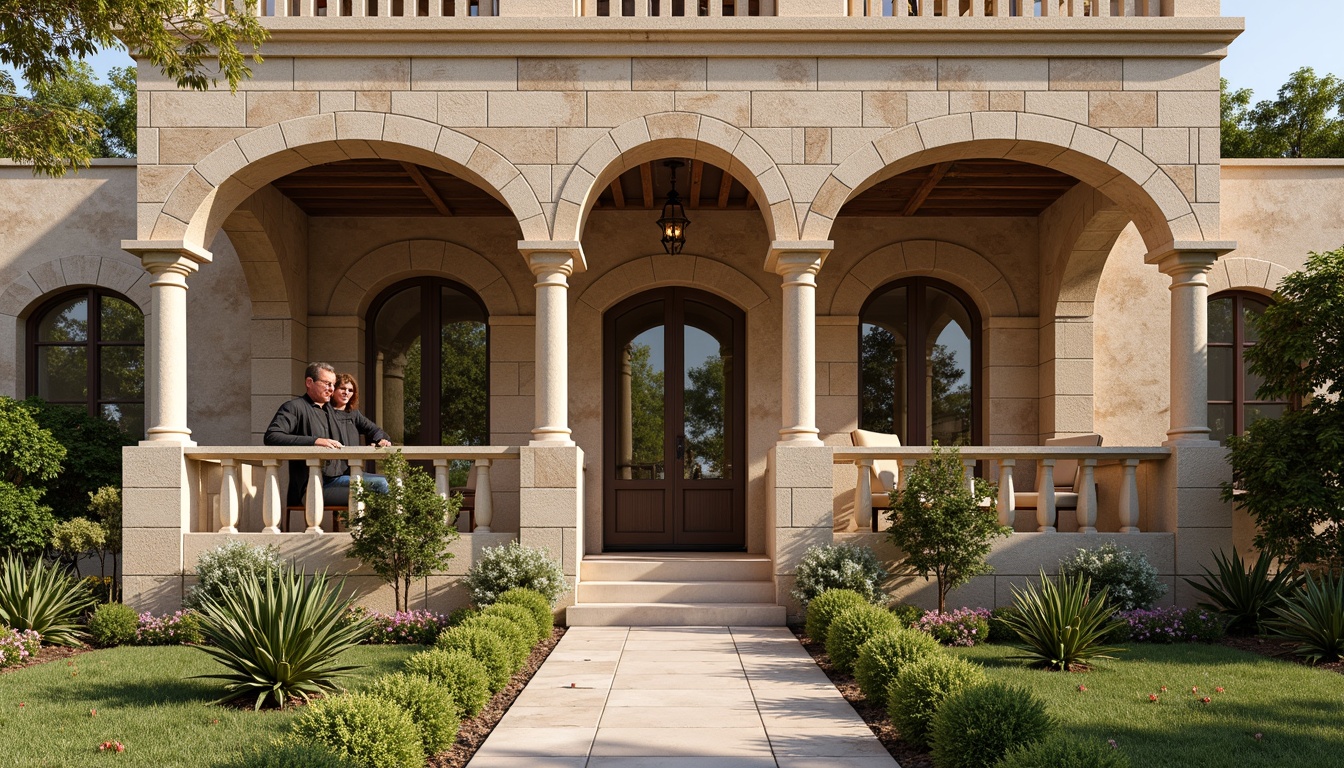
(1007, 460)
(232, 477)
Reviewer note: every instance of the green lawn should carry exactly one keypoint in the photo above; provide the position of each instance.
(144, 701)
(1299, 710)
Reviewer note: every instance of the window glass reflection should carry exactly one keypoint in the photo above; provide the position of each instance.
(707, 400)
(641, 393)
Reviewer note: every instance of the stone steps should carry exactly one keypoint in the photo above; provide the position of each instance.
(676, 589)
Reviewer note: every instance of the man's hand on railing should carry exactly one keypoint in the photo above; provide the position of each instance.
(326, 442)
(382, 444)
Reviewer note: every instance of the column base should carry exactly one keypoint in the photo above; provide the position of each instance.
(551, 437)
(799, 436)
(1198, 438)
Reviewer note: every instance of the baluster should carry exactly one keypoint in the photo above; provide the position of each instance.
(270, 498)
(441, 478)
(977, 7)
(1007, 504)
(1129, 498)
(485, 503)
(353, 504)
(307, 8)
(313, 498)
(435, 8)
(1087, 498)
(1103, 7)
(715, 8)
(1045, 498)
(968, 475)
(926, 7)
(1003, 7)
(740, 7)
(228, 497)
(358, 8)
(281, 8)
(863, 495)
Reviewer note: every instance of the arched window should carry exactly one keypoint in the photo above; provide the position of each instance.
(1233, 404)
(919, 363)
(434, 393)
(87, 348)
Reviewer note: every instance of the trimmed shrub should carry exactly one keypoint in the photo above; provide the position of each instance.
(221, 570)
(459, 673)
(1129, 579)
(822, 610)
(975, 727)
(460, 615)
(520, 616)
(372, 732)
(486, 647)
(839, 566)
(290, 753)
(1061, 751)
(517, 641)
(921, 687)
(429, 704)
(1000, 630)
(883, 656)
(853, 627)
(510, 566)
(535, 602)
(17, 646)
(113, 624)
(963, 627)
(177, 628)
(908, 614)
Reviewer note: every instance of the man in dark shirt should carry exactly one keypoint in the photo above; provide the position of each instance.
(309, 420)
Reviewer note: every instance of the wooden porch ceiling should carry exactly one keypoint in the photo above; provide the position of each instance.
(368, 188)
(700, 185)
(988, 187)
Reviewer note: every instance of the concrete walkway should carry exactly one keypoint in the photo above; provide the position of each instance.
(681, 697)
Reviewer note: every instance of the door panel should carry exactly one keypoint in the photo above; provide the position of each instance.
(673, 423)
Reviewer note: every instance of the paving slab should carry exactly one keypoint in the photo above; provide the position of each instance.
(681, 697)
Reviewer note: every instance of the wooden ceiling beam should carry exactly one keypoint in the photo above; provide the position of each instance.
(617, 193)
(418, 177)
(646, 181)
(936, 174)
(697, 179)
(725, 186)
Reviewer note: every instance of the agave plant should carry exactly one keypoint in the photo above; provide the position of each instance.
(1060, 625)
(1313, 617)
(43, 598)
(280, 636)
(1247, 597)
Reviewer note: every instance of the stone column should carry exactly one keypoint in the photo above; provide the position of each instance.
(797, 264)
(1188, 265)
(169, 263)
(552, 262)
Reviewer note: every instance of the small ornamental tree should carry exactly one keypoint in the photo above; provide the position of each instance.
(1286, 471)
(943, 527)
(105, 503)
(402, 534)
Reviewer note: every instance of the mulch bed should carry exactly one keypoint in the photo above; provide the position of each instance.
(48, 653)
(874, 714)
(1275, 648)
(472, 734)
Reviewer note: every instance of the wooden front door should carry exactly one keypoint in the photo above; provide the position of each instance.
(674, 456)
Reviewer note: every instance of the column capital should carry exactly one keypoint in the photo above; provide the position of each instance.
(788, 257)
(565, 256)
(1181, 255)
(159, 256)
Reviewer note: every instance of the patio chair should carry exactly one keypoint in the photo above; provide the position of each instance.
(884, 473)
(1068, 480)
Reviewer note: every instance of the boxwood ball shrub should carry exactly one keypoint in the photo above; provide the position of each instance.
(370, 731)
(908, 614)
(536, 603)
(290, 753)
(853, 627)
(1129, 579)
(511, 565)
(1063, 751)
(459, 673)
(519, 644)
(883, 656)
(921, 687)
(520, 616)
(975, 727)
(839, 566)
(825, 607)
(429, 704)
(486, 647)
(113, 624)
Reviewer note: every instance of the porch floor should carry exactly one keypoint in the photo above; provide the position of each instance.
(681, 697)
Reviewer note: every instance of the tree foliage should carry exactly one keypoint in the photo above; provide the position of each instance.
(1290, 470)
(113, 103)
(1305, 120)
(942, 527)
(94, 460)
(404, 533)
(646, 403)
(706, 414)
(194, 43)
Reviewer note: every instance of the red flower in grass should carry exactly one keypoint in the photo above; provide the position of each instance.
(1083, 688)
(1152, 697)
(1163, 689)
(1219, 689)
(1259, 736)
(115, 746)
(1206, 700)
(1194, 689)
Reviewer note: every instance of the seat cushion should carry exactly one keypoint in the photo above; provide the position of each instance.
(1030, 500)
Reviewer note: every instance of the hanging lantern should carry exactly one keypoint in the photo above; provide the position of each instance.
(673, 222)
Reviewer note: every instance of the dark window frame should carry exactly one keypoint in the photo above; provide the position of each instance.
(93, 344)
(1240, 398)
(916, 290)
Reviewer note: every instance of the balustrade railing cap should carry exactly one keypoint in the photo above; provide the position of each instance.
(413, 452)
(850, 454)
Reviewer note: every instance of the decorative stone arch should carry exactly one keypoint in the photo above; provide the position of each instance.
(689, 270)
(983, 282)
(1243, 273)
(683, 134)
(1086, 245)
(394, 262)
(204, 198)
(1121, 172)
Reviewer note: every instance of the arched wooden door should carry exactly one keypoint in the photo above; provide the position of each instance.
(674, 456)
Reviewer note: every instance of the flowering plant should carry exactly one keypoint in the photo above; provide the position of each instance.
(1169, 625)
(16, 646)
(962, 627)
(1130, 580)
(405, 627)
(180, 628)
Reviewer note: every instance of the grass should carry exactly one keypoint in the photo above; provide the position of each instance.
(144, 700)
(1299, 710)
